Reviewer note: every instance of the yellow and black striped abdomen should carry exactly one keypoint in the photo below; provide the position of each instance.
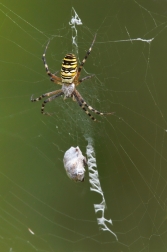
(69, 68)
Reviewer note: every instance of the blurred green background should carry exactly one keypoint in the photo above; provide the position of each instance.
(129, 62)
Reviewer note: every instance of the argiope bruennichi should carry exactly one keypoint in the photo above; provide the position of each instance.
(69, 80)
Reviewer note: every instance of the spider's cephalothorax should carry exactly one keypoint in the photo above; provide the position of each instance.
(70, 74)
(69, 68)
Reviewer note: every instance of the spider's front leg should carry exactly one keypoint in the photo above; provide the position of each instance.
(44, 95)
(54, 94)
(76, 96)
(49, 100)
(83, 104)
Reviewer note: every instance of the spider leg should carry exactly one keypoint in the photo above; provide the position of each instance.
(44, 95)
(96, 111)
(85, 58)
(75, 94)
(84, 104)
(59, 93)
(53, 77)
(85, 78)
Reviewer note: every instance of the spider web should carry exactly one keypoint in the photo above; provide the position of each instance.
(41, 209)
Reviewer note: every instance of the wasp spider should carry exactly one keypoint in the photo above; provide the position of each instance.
(69, 80)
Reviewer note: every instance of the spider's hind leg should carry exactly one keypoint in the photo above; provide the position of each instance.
(52, 76)
(85, 58)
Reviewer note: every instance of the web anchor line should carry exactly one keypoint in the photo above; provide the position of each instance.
(130, 40)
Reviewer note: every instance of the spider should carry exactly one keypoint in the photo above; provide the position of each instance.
(69, 79)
